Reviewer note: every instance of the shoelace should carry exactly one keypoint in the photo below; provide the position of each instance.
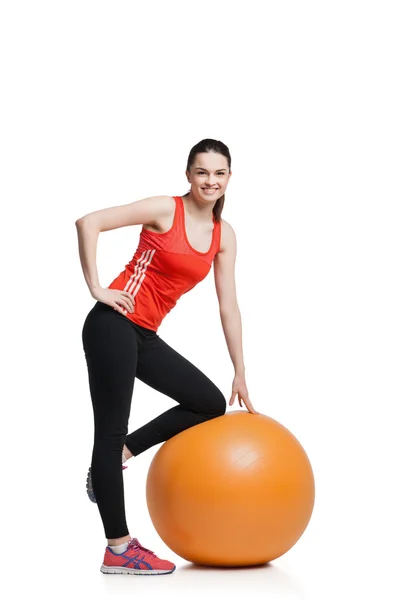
(134, 542)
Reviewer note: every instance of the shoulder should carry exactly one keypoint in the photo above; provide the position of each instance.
(165, 203)
(163, 208)
(228, 237)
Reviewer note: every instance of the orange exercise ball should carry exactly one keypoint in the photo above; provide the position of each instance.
(237, 490)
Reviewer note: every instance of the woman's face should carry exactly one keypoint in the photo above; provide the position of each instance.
(209, 176)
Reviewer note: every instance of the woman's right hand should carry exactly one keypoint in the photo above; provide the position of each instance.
(119, 300)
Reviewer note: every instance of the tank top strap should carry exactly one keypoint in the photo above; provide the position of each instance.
(179, 212)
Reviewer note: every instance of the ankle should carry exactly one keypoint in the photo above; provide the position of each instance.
(119, 541)
(126, 452)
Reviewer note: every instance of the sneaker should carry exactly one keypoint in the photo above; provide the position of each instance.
(136, 560)
(89, 486)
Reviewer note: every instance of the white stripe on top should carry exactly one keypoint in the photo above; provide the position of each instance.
(136, 279)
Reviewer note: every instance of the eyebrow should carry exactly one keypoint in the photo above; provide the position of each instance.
(203, 169)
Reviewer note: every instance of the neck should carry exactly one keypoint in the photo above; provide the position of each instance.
(199, 209)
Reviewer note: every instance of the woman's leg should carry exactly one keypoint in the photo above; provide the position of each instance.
(111, 351)
(165, 370)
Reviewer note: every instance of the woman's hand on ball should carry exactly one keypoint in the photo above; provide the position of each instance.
(119, 300)
(239, 389)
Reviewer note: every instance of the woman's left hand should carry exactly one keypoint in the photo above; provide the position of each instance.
(239, 388)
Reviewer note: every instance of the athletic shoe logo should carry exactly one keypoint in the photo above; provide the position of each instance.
(136, 562)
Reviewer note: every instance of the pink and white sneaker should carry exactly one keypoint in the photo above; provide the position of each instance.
(89, 485)
(136, 560)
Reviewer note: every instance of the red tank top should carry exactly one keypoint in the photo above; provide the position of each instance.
(164, 267)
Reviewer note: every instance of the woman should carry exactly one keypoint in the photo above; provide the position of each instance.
(180, 239)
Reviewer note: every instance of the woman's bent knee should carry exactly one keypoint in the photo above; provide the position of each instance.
(217, 406)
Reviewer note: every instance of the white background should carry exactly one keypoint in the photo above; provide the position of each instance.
(101, 103)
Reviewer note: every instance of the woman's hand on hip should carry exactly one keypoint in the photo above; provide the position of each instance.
(119, 300)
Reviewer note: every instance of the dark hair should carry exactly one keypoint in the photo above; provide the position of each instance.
(208, 145)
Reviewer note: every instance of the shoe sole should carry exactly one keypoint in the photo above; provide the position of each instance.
(127, 571)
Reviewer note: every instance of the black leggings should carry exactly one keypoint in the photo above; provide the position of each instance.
(116, 352)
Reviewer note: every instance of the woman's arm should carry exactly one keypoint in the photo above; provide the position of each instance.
(120, 300)
(147, 211)
(87, 244)
(224, 275)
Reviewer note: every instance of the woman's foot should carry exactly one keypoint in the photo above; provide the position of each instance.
(89, 485)
(135, 560)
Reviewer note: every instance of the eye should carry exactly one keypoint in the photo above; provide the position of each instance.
(202, 173)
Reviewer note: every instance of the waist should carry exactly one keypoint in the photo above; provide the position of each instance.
(129, 316)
